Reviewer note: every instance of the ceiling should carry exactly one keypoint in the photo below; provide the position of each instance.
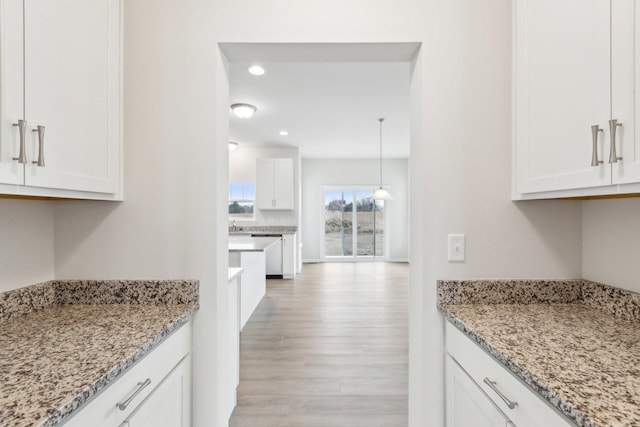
(330, 109)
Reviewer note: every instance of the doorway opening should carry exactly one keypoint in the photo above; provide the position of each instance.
(310, 219)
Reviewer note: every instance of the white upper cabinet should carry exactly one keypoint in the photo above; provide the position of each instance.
(625, 59)
(11, 97)
(70, 58)
(274, 184)
(574, 78)
(562, 79)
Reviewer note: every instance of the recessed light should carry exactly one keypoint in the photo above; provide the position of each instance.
(244, 111)
(232, 145)
(284, 133)
(256, 70)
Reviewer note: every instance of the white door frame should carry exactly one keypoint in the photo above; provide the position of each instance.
(426, 364)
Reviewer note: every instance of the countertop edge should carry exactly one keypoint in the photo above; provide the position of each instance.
(86, 395)
(275, 240)
(524, 375)
(235, 272)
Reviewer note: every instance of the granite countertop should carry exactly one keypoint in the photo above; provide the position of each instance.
(251, 244)
(576, 343)
(265, 229)
(57, 350)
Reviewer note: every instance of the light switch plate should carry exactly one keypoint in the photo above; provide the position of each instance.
(456, 248)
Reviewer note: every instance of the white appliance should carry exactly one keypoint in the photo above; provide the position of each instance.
(273, 255)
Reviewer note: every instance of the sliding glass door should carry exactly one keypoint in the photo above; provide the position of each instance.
(353, 224)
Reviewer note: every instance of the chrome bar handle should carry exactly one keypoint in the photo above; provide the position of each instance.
(492, 384)
(613, 126)
(141, 386)
(40, 130)
(595, 129)
(22, 127)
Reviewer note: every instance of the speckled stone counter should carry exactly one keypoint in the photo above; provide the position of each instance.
(266, 229)
(576, 343)
(63, 342)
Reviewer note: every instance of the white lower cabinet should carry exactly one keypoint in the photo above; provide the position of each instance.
(467, 404)
(288, 256)
(481, 392)
(156, 391)
(169, 403)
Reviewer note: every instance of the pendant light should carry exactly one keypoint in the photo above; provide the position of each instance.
(381, 193)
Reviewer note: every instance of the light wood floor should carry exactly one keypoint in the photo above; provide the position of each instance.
(327, 349)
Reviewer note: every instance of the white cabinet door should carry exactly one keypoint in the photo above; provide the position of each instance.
(72, 88)
(288, 256)
(530, 410)
(264, 184)
(169, 405)
(625, 69)
(151, 370)
(283, 184)
(562, 88)
(466, 403)
(274, 184)
(11, 99)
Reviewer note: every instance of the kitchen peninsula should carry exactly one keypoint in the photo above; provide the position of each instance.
(249, 253)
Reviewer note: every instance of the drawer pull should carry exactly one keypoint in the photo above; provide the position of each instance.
(141, 386)
(22, 128)
(492, 384)
(40, 161)
(613, 126)
(595, 129)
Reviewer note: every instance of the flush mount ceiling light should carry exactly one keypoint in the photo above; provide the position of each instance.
(381, 193)
(232, 145)
(243, 111)
(256, 70)
(284, 133)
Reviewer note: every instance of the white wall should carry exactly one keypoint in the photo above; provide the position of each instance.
(242, 168)
(611, 242)
(460, 180)
(460, 150)
(173, 221)
(326, 172)
(26, 243)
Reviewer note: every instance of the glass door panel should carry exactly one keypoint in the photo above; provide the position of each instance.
(338, 223)
(366, 224)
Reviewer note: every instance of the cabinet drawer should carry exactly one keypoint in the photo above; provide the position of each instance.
(102, 410)
(531, 410)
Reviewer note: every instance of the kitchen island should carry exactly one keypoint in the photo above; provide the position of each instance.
(249, 253)
(574, 343)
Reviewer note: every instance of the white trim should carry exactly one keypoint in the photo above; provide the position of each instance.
(426, 376)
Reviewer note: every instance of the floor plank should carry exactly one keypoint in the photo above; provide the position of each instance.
(328, 348)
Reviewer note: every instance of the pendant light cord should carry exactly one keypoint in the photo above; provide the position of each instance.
(380, 120)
